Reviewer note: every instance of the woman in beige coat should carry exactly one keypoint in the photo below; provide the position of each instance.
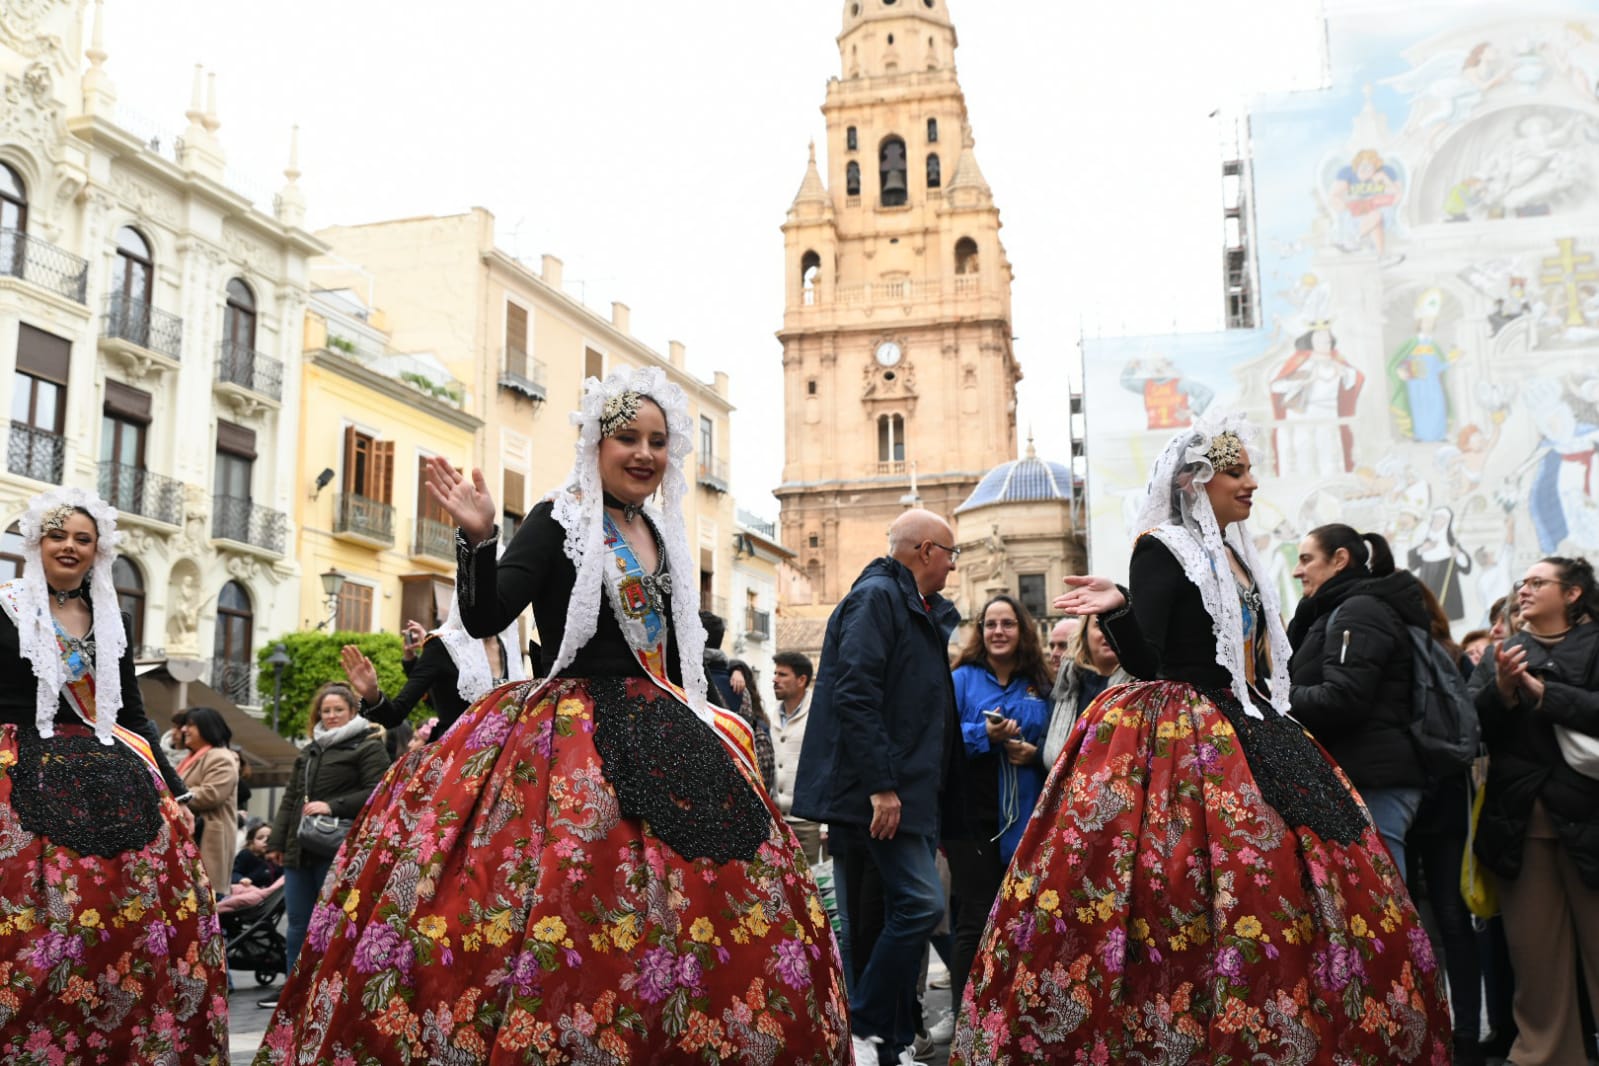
(211, 772)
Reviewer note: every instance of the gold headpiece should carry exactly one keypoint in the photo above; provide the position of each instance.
(55, 518)
(619, 410)
(1226, 449)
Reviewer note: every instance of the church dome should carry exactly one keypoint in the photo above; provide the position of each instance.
(1021, 480)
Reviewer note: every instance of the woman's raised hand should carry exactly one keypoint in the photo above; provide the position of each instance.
(1087, 594)
(362, 674)
(467, 501)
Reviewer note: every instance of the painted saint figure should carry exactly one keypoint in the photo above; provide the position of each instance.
(1314, 393)
(1417, 398)
(1440, 562)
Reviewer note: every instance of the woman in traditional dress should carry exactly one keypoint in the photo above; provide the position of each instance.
(1199, 884)
(582, 870)
(110, 951)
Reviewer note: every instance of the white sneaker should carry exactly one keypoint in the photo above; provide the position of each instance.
(865, 1049)
(943, 1030)
(907, 1057)
(937, 974)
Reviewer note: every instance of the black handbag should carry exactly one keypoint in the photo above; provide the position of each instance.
(321, 835)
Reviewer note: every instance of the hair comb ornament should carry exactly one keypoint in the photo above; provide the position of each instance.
(1226, 449)
(620, 410)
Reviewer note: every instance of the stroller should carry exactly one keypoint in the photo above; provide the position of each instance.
(253, 940)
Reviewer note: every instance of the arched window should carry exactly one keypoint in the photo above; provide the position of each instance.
(13, 200)
(891, 172)
(966, 256)
(130, 596)
(890, 439)
(852, 179)
(230, 653)
(11, 553)
(810, 273)
(932, 123)
(935, 173)
(131, 288)
(238, 319)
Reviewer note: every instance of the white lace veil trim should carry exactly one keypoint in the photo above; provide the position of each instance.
(578, 507)
(36, 627)
(473, 674)
(1177, 511)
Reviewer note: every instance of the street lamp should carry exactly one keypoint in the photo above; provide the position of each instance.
(332, 583)
(277, 660)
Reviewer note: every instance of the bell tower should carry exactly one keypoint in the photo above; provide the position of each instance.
(898, 377)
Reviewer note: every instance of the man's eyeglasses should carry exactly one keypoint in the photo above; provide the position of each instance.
(954, 553)
(1536, 584)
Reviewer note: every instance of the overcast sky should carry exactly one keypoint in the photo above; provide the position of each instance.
(655, 148)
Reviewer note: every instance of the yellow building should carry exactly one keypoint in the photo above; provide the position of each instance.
(370, 418)
(521, 347)
(898, 376)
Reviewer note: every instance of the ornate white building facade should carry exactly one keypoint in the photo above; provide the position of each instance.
(148, 313)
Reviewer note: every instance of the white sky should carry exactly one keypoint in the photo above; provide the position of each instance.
(655, 148)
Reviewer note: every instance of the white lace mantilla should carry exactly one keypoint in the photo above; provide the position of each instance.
(1177, 512)
(579, 509)
(27, 601)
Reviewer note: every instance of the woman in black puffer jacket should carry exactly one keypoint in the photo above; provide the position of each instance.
(1352, 681)
(1539, 831)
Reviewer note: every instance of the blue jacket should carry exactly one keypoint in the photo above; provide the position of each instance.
(1002, 795)
(882, 712)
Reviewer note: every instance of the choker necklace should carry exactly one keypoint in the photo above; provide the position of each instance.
(61, 598)
(629, 511)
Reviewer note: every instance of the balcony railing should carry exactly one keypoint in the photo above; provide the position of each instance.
(713, 474)
(897, 466)
(522, 374)
(135, 490)
(756, 524)
(757, 624)
(248, 368)
(42, 263)
(241, 519)
(130, 319)
(363, 517)
(434, 539)
(235, 680)
(36, 453)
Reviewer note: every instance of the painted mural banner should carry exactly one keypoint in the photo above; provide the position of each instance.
(1428, 245)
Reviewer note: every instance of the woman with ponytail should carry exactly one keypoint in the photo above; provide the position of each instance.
(1351, 679)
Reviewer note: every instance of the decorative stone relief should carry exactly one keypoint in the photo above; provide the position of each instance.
(243, 567)
(143, 198)
(183, 612)
(19, 21)
(196, 520)
(30, 113)
(252, 253)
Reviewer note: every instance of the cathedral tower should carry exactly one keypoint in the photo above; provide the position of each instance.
(898, 376)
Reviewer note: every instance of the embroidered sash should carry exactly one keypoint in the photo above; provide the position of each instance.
(638, 599)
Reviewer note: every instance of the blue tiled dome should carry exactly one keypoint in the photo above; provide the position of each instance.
(1028, 478)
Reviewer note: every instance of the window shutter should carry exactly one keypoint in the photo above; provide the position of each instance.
(351, 446)
(514, 493)
(44, 355)
(516, 340)
(235, 440)
(382, 471)
(126, 402)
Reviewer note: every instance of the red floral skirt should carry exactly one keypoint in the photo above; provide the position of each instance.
(495, 903)
(110, 960)
(1159, 910)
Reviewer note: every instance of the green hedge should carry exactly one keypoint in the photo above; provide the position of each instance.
(314, 661)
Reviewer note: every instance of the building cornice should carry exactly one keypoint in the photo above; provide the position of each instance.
(395, 390)
(588, 321)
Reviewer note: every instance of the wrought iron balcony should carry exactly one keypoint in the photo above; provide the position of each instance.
(36, 453)
(434, 539)
(363, 517)
(241, 519)
(713, 474)
(248, 368)
(235, 680)
(135, 490)
(42, 263)
(756, 524)
(757, 624)
(130, 319)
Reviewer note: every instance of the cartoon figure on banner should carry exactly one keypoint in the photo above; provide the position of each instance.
(1363, 197)
(1170, 400)
(1440, 562)
(1509, 308)
(1417, 398)
(1562, 498)
(1314, 394)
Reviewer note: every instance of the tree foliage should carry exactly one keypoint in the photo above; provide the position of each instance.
(314, 661)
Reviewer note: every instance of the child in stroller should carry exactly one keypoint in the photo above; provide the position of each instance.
(250, 917)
